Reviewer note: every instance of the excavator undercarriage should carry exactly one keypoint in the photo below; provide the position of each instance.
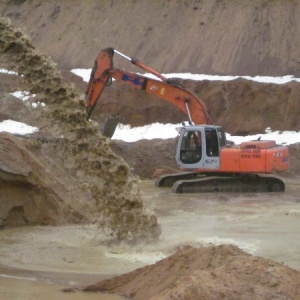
(200, 182)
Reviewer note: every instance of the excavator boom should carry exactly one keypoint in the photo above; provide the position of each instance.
(104, 71)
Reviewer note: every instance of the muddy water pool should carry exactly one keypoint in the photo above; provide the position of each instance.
(39, 261)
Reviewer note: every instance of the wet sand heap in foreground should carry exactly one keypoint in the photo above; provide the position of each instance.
(215, 272)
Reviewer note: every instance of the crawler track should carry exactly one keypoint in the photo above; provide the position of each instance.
(203, 183)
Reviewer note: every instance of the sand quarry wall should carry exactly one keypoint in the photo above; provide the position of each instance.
(258, 37)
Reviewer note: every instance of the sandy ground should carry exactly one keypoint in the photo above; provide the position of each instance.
(43, 260)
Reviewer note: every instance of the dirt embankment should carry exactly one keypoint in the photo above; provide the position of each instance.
(241, 106)
(259, 37)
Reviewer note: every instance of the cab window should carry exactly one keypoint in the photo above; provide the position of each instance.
(191, 147)
(212, 143)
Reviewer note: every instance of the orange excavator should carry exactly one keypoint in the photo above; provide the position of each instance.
(209, 162)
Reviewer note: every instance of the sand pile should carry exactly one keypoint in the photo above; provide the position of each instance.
(79, 150)
(215, 272)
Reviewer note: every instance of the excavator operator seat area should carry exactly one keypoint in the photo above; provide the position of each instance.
(191, 147)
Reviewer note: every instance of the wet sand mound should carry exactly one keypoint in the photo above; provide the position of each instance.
(31, 194)
(71, 149)
(215, 272)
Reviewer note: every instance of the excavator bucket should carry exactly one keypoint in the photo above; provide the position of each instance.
(108, 127)
(99, 78)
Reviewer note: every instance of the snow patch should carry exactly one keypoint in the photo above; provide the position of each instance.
(23, 95)
(17, 127)
(166, 131)
(85, 75)
(4, 71)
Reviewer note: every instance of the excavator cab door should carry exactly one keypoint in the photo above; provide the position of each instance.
(198, 147)
(189, 152)
(212, 149)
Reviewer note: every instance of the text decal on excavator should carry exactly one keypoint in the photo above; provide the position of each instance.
(250, 153)
(134, 80)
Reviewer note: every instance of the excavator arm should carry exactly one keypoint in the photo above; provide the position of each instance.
(103, 72)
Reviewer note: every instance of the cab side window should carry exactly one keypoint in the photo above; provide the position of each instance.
(212, 143)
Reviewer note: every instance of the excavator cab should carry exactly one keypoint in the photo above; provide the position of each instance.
(199, 146)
